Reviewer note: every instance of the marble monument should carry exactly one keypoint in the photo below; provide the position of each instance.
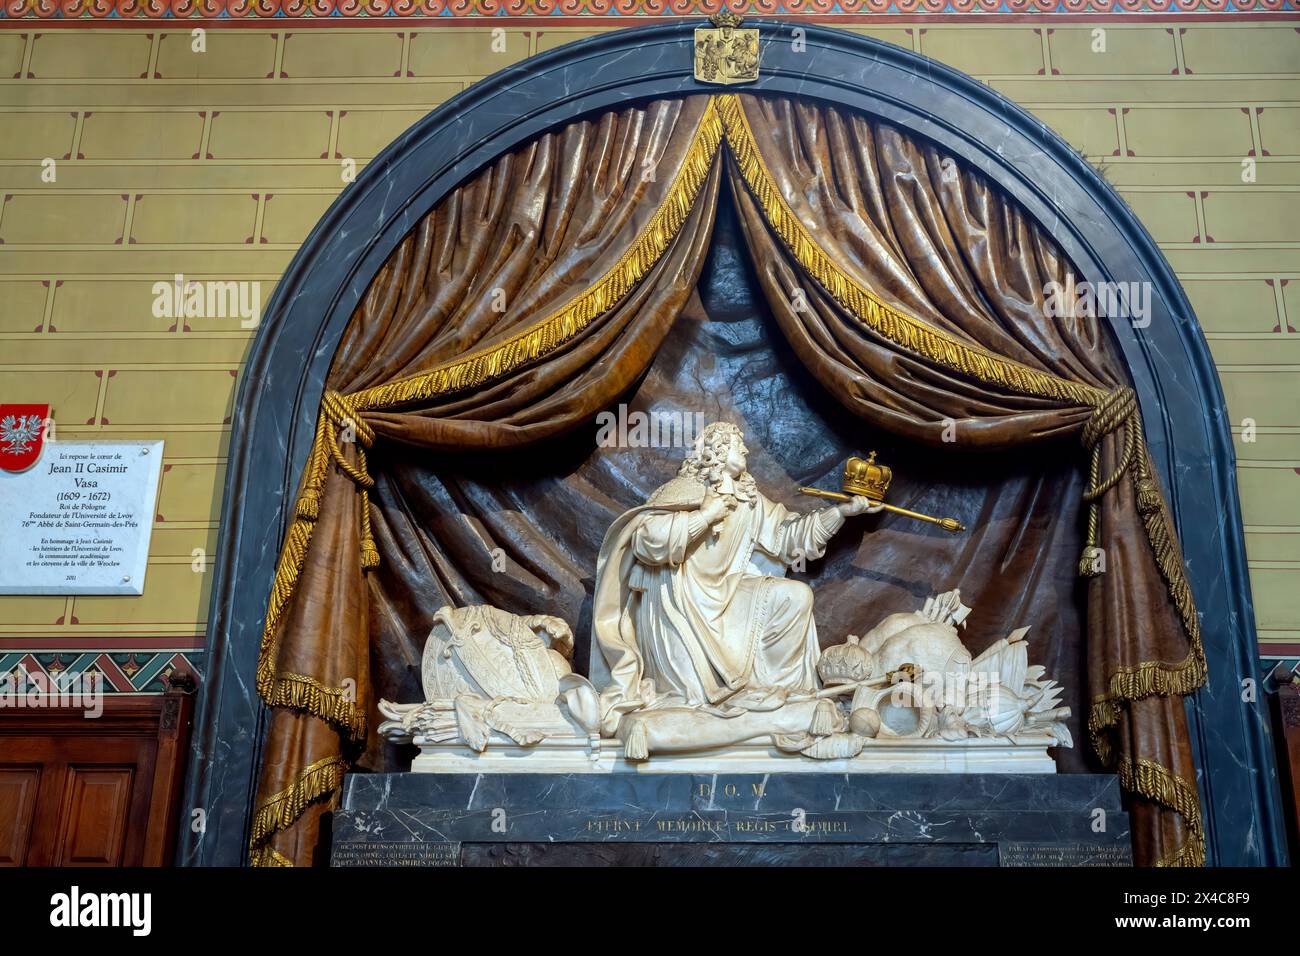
(705, 655)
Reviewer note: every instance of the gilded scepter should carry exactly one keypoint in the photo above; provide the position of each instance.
(870, 480)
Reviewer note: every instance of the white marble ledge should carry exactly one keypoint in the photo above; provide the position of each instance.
(594, 755)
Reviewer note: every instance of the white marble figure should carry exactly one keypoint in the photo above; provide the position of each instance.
(692, 607)
(703, 650)
(486, 670)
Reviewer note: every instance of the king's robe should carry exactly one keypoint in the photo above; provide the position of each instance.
(705, 612)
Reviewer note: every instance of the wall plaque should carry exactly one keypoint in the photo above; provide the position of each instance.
(78, 521)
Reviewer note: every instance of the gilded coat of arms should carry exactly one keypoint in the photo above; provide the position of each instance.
(726, 53)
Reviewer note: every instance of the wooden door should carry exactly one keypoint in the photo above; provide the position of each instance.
(103, 791)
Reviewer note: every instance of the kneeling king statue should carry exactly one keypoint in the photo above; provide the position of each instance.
(701, 645)
(692, 605)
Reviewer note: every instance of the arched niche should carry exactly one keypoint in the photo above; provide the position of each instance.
(1168, 360)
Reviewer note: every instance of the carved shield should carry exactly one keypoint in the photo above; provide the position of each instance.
(489, 652)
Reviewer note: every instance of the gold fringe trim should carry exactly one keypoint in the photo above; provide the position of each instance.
(561, 326)
(1154, 677)
(337, 413)
(1143, 680)
(971, 360)
(332, 704)
(1110, 411)
(1156, 783)
(278, 811)
(1191, 853)
(1169, 559)
(268, 856)
(292, 556)
(343, 412)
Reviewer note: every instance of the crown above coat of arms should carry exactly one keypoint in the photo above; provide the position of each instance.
(866, 478)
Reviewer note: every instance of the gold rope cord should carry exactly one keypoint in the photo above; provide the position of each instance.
(1110, 410)
(561, 326)
(338, 706)
(1153, 677)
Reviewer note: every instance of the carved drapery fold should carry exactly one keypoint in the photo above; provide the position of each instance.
(544, 287)
(538, 292)
(869, 230)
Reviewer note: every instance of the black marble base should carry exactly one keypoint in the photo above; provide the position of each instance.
(413, 819)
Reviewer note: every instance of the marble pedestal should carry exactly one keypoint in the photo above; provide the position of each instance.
(645, 819)
(565, 755)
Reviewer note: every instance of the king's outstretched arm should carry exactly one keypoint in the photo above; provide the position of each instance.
(800, 537)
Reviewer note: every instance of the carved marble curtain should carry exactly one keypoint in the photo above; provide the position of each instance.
(540, 292)
(916, 294)
(529, 299)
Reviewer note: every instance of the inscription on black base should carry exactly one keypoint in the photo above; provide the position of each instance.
(736, 820)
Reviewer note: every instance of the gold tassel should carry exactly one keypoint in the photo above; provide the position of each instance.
(308, 504)
(824, 720)
(1147, 490)
(369, 553)
(1148, 497)
(1092, 560)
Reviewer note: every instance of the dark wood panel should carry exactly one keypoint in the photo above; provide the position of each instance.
(92, 822)
(76, 791)
(18, 786)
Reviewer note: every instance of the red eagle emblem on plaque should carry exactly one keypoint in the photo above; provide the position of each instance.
(22, 433)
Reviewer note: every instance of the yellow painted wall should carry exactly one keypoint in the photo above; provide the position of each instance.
(216, 165)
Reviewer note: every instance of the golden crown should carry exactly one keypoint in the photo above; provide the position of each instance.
(726, 19)
(866, 478)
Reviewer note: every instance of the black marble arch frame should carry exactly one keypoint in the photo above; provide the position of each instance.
(1176, 383)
